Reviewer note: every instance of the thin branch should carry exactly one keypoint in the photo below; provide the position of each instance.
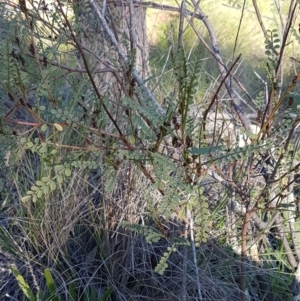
(154, 5)
(223, 70)
(75, 70)
(260, 21)
(286, 33)
(217, 92)
(103, 7)
(239, 28)
(286, 245)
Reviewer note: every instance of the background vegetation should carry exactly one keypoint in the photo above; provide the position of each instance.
(149, 161)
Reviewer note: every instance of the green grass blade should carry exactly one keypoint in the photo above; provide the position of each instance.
(93, 296)
(72, 292)
(50, 284)
(106, 294)
(23, 284)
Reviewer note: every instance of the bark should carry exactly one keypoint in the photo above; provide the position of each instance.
(112, 37)
(127, 25)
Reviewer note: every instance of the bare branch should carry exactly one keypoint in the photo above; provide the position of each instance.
(223, 70)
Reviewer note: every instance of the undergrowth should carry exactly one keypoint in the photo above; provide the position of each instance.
(122, 180)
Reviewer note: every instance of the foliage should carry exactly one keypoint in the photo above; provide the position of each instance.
(52, 295)
(125, 182)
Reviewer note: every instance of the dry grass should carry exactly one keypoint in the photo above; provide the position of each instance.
(251, 39)
(75, 230)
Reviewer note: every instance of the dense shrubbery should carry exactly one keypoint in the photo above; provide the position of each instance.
(124, 180)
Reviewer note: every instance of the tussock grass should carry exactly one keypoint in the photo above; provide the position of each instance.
(75, 230)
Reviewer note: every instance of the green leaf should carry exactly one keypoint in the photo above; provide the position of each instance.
(59, 179)
(67, 172)
(268, 52)
(52, 185)
(39, 194)
(181, 213)
(43, 149)
(58, 126)
(131, 139)
(205, 150)
(26, 198)
(29, 144)
(46, 190)
(291, 205)
(58, 168)
(23, 284)
(39, 183)
(44, 127)
(194, 200)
